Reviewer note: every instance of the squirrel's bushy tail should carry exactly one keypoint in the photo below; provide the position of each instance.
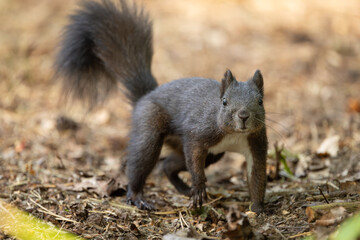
(106, 43)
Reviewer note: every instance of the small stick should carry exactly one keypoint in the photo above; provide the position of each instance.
(212, 201)
(323, 195)
(333, 185)
(349, 206)
(278, 231)
(330, 195)
(183, 209)
(300, 235)
(47, 211)
(183, 220)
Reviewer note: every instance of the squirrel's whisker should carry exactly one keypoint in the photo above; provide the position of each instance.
(281, 125)
(279, 113)
(272, 128)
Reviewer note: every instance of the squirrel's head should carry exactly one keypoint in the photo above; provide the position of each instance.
(241, 104)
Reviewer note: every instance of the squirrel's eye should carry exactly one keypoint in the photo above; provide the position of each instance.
(260, 101)
(225, 102)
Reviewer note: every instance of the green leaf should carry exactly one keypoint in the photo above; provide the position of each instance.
(24, 226)
(349, 230)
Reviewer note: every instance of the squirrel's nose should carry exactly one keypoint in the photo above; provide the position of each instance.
(243, 115)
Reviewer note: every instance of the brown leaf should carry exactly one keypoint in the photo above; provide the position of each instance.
(103, 188)
(354, 105)
(29, 169)
(134, 228)
(350, 186)
(310, 213)
(330, 146)
(20, 146)
(334, 216)
(116, 186)
(184, 234)
(238, 225)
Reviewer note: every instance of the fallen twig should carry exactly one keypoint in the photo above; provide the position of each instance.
(47, 211)
(349, 206)
(300, 235)
(328, 196)
(323, 195)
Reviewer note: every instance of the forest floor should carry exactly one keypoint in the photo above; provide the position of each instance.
(58, 161)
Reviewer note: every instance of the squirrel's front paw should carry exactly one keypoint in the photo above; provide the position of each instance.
(198, 192)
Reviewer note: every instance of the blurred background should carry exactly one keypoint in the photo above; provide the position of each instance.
(307, 50)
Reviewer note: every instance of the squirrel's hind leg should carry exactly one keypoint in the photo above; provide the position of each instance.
(172, 166)
(146, 140)
(175, 163)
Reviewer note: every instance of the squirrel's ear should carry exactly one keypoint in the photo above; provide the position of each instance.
(259, 82)
(226, 81)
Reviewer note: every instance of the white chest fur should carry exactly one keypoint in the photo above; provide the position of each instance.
(235, 142)
(238, 143)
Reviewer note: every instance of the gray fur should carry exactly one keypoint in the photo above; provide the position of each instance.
(104, 44)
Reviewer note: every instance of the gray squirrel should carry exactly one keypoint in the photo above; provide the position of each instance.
(108, 43)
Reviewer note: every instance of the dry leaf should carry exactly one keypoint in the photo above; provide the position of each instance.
(354, 105)
(100, 117)
(103, 188)
(184, 234)
(310, 213)
(350, 186)
(335, 215)
(200, 226)
(20, 146)
(238, 225)
(329, 147)
(302, 165)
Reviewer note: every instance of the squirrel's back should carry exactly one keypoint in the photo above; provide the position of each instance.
(103, 45)
(191, 103)
(189, 91)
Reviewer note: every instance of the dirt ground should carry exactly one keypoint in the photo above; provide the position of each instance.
(57, 160)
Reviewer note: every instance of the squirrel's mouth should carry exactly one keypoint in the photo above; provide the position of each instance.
(243, 130)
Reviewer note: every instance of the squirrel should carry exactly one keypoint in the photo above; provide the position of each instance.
(106, 44)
